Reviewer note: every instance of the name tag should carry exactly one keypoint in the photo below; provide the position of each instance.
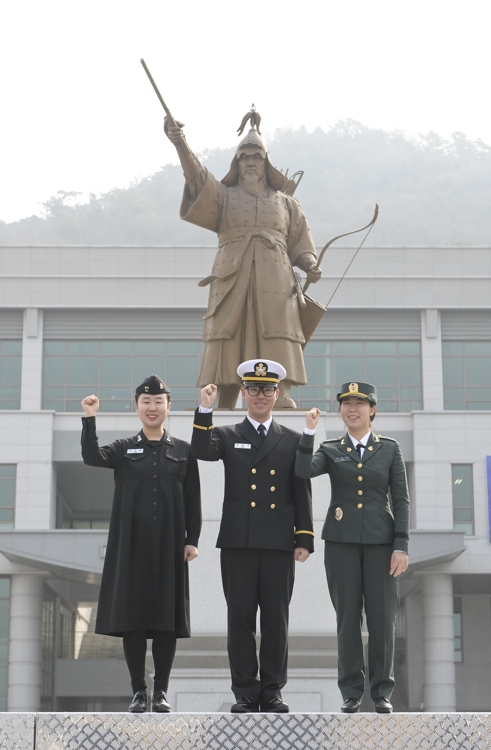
(135, 450)
(341, 458)
(242, 445)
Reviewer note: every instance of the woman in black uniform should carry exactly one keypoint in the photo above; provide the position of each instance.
(153, 534)
(366, 540)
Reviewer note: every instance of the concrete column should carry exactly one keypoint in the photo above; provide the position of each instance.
(26, 602)
(431, 356)
(32, 360)
(438, 642)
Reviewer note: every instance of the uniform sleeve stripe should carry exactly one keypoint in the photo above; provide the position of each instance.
(401, 535)
(305, 532)
(200, 427)
(305, 450)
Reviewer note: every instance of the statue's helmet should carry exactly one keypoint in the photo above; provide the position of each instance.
(254, 144)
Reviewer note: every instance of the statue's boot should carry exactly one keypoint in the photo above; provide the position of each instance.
(284, 399)
(227, 396)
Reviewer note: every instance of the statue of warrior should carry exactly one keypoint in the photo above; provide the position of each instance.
(253, 306)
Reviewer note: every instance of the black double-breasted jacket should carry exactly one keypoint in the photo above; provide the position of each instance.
(266, 506)
(360, 510)
(156, 511)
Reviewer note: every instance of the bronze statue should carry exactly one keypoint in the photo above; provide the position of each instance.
(253, 307)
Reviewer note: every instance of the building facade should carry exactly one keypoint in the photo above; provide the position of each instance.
(77, 320)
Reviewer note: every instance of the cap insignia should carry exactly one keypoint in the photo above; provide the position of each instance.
(338, 514)
(161, 386)
(147, 388)
(353, 387)
(261, 369)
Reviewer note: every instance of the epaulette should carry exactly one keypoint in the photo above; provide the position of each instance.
(386, 437)
(333, 440)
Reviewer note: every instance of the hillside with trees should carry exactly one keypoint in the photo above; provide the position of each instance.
(431, 192)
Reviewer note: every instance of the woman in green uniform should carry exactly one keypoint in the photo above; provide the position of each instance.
(366, 540)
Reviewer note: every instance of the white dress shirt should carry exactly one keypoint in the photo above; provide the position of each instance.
(363, 442)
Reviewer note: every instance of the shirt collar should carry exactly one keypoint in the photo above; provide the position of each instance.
(255, 424)
(363, 441)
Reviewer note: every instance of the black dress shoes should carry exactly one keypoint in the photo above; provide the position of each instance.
(350, 706)
(159, 703)
(139, 703)
(383, 706)
(274, 706)
(245, 706)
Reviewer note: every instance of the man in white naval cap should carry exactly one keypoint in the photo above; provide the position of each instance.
(266, 525)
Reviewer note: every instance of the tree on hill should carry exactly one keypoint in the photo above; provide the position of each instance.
(431, 192)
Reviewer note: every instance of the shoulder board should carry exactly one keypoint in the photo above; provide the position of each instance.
(333, 440)
(385, 437)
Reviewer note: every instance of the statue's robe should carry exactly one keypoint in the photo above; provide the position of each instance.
(253, 307)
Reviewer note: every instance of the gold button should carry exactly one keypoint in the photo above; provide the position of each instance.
(349, 450)
(272, 489)
(253, 471)
(360, 505)
(360, 492)
(273, 506)
(360, 479)
(253, 486)
(360, 466)
(272, 471)
(253, 505)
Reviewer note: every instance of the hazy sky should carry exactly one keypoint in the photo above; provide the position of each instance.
(79, 114)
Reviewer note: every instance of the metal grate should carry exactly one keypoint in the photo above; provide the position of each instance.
(17, 731)
(263, 732)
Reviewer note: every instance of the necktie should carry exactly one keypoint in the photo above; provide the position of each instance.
(358, 448)
(262, 431)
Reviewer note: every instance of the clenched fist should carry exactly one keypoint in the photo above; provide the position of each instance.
(208, 395)
(90, 405)
(312, 418)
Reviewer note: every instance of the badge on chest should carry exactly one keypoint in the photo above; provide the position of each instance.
(135, 450)
(242, 445)
(338, 459)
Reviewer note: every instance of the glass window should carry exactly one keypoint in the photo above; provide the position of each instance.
(48, 656)
(457, 629)
(10, 374)
(7, 497)
(467, 375)
(113, 369)
(4, 639)
(463, 498)
(393, 367)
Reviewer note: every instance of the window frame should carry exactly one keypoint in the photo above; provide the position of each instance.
(455, 507)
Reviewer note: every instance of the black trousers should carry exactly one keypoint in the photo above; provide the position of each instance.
(163, 652)
(255, 578)
(359, 579)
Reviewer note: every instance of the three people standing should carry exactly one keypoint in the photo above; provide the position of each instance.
(266, 526)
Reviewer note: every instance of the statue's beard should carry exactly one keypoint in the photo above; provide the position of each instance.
(252, 184)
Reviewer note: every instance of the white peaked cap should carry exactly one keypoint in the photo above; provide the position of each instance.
(261, 371)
